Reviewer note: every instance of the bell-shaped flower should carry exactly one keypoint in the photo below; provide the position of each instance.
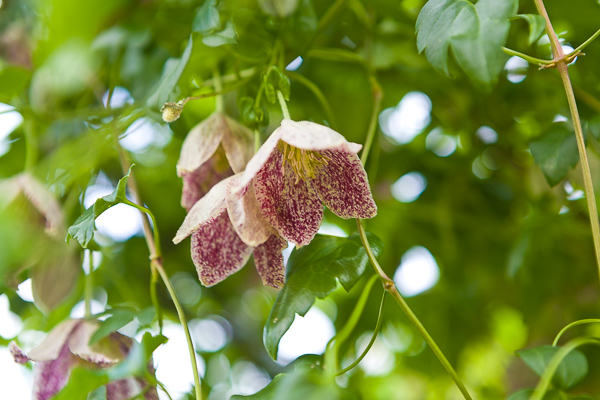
(215, 149)
(227, 228)
(66, 347)
(301, 166)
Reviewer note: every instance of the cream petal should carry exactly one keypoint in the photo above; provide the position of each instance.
(19, 356)
(204, 211)
(343, 186)
(245, 215)
(310, 136)
(238, 142)
(218, 251)
(293, 208)
(260, 158)
(269, 261)
(51, 346)
(103, 353)
(49, 377)
(200, 144)
(44, 202)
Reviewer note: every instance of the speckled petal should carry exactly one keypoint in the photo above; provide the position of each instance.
(104, 353)
(123, 389)
(310, 136)
(244, 214)
(269, 261)
(260, 158)
(198, 182)
(200, 144)
(218, 251)
(343, 186)
(52, 345)
(17, 353)
(204, 211)
(294, 209)
(238, 142)
(49, 377)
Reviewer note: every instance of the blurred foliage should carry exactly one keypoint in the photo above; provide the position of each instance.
(514, 249)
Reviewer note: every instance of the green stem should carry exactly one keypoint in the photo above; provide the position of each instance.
(219, 104)
(584, 44)
(154, 298)
(330, 14)
(331, 357)
(371, 342)
(89, 286)
(544, 383)
(283, 105)
(572, 324)
(377, 97)
(256, 140)
(561, 65)
(31, 146)
(525, 57)
(391, 288)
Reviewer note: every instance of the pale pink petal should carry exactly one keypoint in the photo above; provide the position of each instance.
(123, 389)
(200, 144)
(198, 182)
(204, 211)
(269, 261)
(104, 353)
(260, 158)
(218, 251)
(244, 214)
(17, 353)
(49, 377)
(310, 136)
(52, 345)
(294, 209)
(343, 186)
(44, 202)
(238, 142)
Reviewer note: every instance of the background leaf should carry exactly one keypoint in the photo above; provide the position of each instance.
(556, 152)
(571, 370)
(537, 25)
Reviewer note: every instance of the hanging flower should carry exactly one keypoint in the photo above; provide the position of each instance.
(66, 347)
(226, 228)
(216, 148)
(301, 166)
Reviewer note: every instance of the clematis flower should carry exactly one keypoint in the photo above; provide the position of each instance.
(216, 148)
(299, 167)
(226, 228)
(66, 347)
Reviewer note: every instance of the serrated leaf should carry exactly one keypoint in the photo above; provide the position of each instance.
(572, 369)
(537, 25)
(556, 153)
(227, 36)
(207, 18)
(475, 33)
(313, 272)
(83, 228)
(120, 317)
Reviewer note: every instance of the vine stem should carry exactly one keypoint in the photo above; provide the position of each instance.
(283, 105)
(571, 325)
(89, 285)
(377, 97)
(526, 57)
(156, 265)
(391, 288)
(585, 44)
(561, 64)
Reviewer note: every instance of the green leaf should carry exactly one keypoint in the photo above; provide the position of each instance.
(13, 81)
(301, 28)
(553, 394)
(556, 152)
(83, 228)
(226, 36)
(172, 72)
(136, 363)
(120, 317)
(537, 25)
(274, 80)
(475, 33)
(207, 18)
(593, 127)
(571, 370)
(98, 394)
(81, 382)
(304, 383)
(313, 272)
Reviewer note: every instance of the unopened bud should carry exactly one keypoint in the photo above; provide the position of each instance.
(172, 111)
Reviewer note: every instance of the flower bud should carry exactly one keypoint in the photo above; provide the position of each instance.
(171, 111)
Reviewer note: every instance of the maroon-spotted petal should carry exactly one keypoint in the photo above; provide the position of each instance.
(269, 261)
(198, 182)
(17, 353)
(218, 251)
(294, 209)
(51, 376)
(343, 186)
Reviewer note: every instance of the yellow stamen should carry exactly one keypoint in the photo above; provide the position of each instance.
(304, 163)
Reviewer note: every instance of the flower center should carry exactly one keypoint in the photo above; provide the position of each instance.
(304, 163)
